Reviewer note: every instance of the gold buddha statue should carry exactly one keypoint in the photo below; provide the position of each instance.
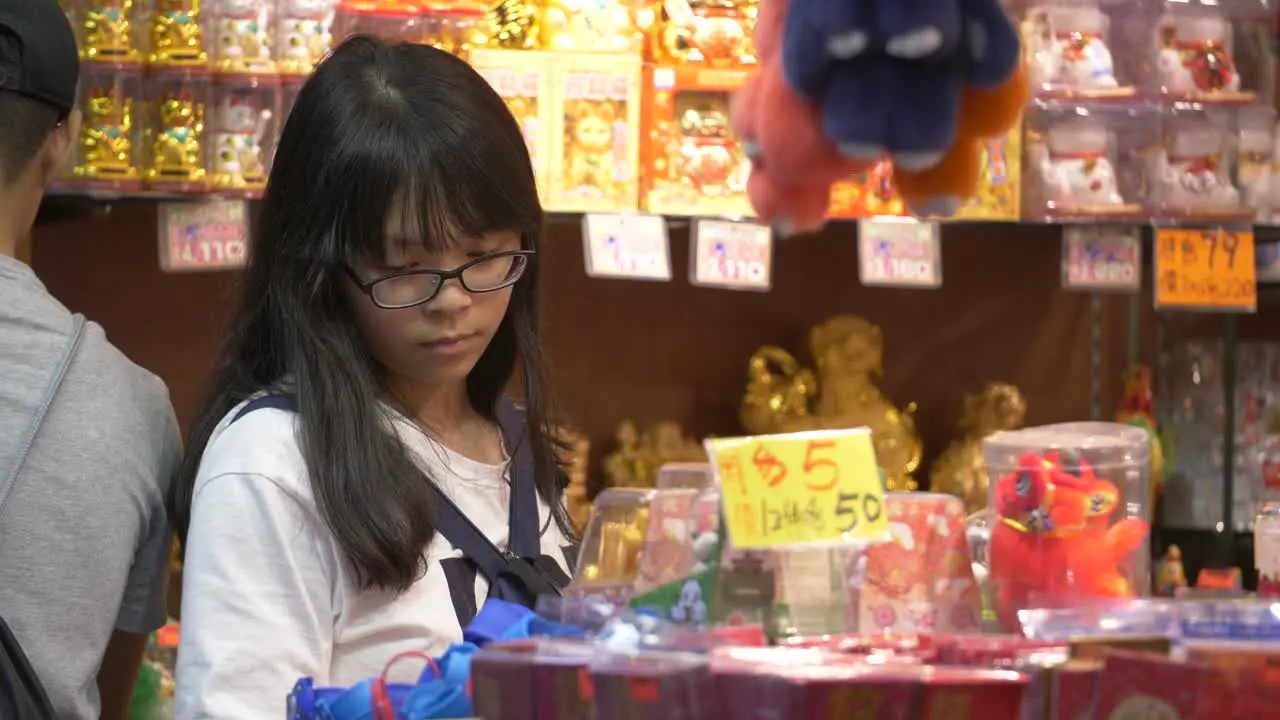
(848, 351)
(961, 469)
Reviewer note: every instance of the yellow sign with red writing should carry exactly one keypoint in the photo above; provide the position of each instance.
(1206, 268)
(809, 487)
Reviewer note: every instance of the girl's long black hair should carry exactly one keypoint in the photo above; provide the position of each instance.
(376, 125)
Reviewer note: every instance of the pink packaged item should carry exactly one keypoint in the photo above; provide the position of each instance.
(553, 673)
(652, 686)
(922, 579)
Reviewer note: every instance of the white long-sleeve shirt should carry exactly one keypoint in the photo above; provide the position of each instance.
(266, 596)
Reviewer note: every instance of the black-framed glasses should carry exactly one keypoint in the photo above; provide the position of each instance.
(407, 288)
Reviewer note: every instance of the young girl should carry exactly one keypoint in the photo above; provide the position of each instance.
(357, 415)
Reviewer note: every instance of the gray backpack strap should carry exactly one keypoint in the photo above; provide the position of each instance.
(9, 475)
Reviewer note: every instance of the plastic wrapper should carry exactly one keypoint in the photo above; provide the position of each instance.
(1072, 52)
(110, 31)
(456, 27)
(1100, 618)
(1229, 620)
(1214, 52)
(242, 131)
(1087, 162)
(1069, 503)
(176, 143)
(177, 36)
(109, 152)
(607, 565)
(1192, 175)
(242, 30)
(302, 35)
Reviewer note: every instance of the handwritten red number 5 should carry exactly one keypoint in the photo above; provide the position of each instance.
(814, 464)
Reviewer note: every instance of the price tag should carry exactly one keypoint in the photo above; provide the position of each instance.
(1206, 269)
(731, 255)
(809, 487)
(899, 252)
(196, 236)
(1101, 257)
(632, 246)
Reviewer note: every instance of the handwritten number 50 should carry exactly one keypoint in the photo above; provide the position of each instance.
(850, 507)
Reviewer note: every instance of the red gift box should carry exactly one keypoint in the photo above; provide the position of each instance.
(653, 686)
(971, 694)
(534, 680)
(1073, 692)
(1141, 685)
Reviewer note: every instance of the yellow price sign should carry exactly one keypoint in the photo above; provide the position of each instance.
(799, 488)
(1212, 268)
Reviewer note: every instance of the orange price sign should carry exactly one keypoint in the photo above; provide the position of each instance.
(808, 487)
(1206, 268)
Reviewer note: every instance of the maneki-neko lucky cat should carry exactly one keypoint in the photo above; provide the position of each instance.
(1195, 60)
(848, 353)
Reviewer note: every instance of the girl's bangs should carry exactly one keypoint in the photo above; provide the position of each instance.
(450, 190)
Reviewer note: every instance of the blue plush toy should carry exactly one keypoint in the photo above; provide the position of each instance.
(888, 75)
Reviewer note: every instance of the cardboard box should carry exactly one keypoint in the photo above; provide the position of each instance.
(999, 195)
(523, 80)
(691, 164)
(867, 194)
(595, 133)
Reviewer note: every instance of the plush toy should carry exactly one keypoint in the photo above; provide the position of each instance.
(844, 83)
(1053, 540)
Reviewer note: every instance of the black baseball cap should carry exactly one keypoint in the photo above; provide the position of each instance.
(38, 54)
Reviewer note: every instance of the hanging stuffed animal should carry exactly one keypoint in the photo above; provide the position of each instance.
(845, 83)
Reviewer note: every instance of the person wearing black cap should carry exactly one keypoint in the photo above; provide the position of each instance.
(88, 440)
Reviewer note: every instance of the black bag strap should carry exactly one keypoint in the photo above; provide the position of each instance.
(524, 530)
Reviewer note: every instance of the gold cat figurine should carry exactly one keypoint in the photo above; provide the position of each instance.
(176, 36)
(175, 147)
(106, 142)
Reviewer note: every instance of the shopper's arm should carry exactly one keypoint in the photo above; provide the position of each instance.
(119, 673)
(257, 598)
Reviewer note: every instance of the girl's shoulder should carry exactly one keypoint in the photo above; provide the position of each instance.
(258, 438)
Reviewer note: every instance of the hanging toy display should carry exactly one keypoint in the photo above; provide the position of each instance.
(842, 85)
(1069, 503)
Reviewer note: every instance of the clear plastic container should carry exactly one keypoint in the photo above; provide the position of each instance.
(680, 513)
(716, 35)
(1192, 174)
(110, 31)
(303, 34)
(1255, 156)
(1071, 53)
(1214, 51)
(394, 21)
(456, 27)
(108, 154)
(242, 132)
(1070, 516)
(608, 557)
(1087, 162)
(177, 35)
(242, 31)
(176, 144)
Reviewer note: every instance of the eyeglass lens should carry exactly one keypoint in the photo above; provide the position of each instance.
(488, 274)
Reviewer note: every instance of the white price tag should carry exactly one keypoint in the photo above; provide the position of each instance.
(731, 255)
(899, 252)
(1101, 257)
(206, 235)
(633, 246)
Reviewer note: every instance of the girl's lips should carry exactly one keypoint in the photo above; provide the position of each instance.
(448, 345)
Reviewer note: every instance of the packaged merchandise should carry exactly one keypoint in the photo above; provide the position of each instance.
(651, 686)
(999, 194)
(110, 31)
(692, 165)
(590, 26)
(867, 194)
(303, 35)
(1191, 175)
(538, 679)
(1086, 163)
(1069, 503)
(457, 27)
(242, 132)
(109, 151)
(608, 557)
(1214, 53)
(1255, 158)
(523, 79)
(595, 133)
(714, 34)
(176, 149)
(177, 36)
(242, 34)
(390, 20)
(1071, 51)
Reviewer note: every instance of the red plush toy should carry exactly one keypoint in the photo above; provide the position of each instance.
(1053, 541)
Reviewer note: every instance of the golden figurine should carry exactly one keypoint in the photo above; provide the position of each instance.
(588, 26)
(458, 28)
(1170, 575)
(515, 25)
(575, 456)
(613, 536)
(107, 28)
(638, 458)
(176, 38)
(106, 137)
(1137, 408)
(961, 470)
(849, 355)
(175, 143)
